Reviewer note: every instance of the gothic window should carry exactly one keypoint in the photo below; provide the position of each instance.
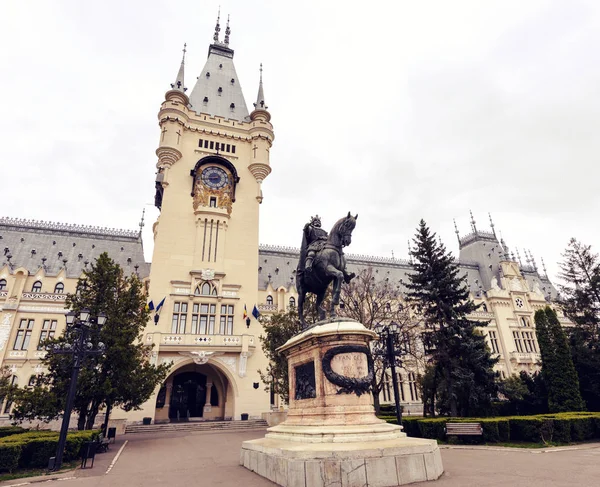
(2, 284)
(213, 202)
(179, 317)
(203, 318)
(484, 307)
(59, 288)
(269, 299)
(37, 287)
(524, 321)
(518, 343)
(494, 342)
(23, 334)
(412, 384)
(205, 289)
(48, 331)
(292, 302)
(31, 382)
(226, 323)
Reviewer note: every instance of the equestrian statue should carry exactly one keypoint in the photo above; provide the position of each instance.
(322, 261)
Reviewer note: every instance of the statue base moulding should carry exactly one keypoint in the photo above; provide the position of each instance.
(331, 436)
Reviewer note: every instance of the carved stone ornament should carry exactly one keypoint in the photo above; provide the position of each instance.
(202, 196)
(229, 362)
(200, 357)
(207, 274)
(349, 385)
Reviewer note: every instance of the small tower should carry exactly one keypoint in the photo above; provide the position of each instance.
(262, 138)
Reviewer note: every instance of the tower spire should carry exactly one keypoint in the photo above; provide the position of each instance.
(218, 26)
(141, 224)
(492, 225)
(519, 257)
(260, 99)
(456, 231)
(473, 222)
(227, 32)
(179, 81)
(544, 267)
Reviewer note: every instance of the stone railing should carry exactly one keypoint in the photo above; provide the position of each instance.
(3, 294)
(190, 340)
(525, 357)
(267, 307)
(45, 296)
(481, 315)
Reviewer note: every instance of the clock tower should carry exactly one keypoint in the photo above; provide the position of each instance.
(213, 155)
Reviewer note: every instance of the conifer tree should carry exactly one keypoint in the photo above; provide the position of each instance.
(580, 301)
(123, 376)
(558, 370)
(464, 380)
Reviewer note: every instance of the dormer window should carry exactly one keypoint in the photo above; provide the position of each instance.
(2, 284)
(232, 107)
(205, 99)
(270, 300)
(232, 81)
(37, 287)
(220, 90)
(207, 75)
(59, 288)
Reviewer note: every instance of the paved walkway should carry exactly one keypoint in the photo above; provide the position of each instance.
(211, 459)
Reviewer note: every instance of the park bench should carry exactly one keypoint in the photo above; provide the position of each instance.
(464, 429)
(102, 444)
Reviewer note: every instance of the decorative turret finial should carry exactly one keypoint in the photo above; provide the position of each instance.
(527, 257)
(512, 256)
(410, 257)
(544, 267)
(179, 81)
(456, 231)
(492, 225)
(218, 26)
(533, 263)
(260, 99)
(227, 32)
(473, 222)
(141, 224)
(519, 257)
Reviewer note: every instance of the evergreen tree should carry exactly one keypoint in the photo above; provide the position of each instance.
(123, 376)
(464, 380)
(557, 366)
(580, 301)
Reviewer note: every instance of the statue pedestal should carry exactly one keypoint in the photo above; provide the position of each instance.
(331, 436)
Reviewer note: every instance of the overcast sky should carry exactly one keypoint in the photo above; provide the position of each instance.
(396, 110)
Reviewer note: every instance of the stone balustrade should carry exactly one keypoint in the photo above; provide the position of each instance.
(189, 340)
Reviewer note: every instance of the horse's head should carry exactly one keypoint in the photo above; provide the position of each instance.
(341, 233)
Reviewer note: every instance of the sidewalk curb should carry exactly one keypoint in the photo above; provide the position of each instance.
(552, 449)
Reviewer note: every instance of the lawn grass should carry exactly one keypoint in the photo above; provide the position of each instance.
(35, 472)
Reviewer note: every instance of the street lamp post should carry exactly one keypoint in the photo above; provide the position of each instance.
(81, 348)
(388, 333)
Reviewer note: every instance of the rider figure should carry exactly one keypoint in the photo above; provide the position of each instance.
(313, 232)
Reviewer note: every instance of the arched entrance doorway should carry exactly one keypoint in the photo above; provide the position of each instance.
(188, 396)
(195, 392)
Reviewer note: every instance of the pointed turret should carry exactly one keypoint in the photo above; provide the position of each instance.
(260, 108)
(218, 91)
(179, 81)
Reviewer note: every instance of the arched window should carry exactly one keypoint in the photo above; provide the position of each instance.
(2, 284)
(524, 321)
(205, 289)
(269, 299)
(31, 381)
(292, 302)
(37, 287)
(484, 307)
(59, 288)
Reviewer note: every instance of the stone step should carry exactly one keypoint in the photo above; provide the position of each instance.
(197, 426)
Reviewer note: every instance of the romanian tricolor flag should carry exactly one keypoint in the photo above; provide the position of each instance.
(245, 312)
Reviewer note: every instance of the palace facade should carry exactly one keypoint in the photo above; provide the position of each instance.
(213, 155)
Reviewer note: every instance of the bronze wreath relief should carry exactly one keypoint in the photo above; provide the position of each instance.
(349, 385)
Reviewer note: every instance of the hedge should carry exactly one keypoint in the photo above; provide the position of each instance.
(33, 449)
(544, 428)
(11, 430)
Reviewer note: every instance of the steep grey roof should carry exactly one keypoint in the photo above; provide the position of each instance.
(32, 244)
(219, 85)
(277, 265)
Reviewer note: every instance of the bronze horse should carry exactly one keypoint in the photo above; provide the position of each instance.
(329, 265)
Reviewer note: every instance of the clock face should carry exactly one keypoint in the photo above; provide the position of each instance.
(214, 177)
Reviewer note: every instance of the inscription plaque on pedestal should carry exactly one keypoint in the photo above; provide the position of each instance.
(305, 381)
(352, 364)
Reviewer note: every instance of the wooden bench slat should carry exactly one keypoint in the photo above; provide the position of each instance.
(473, 429)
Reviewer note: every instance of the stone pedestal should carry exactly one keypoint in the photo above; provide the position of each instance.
(331, 436)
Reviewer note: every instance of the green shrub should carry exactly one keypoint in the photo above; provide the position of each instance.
(561, 430)
(525, 428)
(411, 427)
(9, 457)
(491, 434)
(11, 430)
(503, 430)
(433, 428)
